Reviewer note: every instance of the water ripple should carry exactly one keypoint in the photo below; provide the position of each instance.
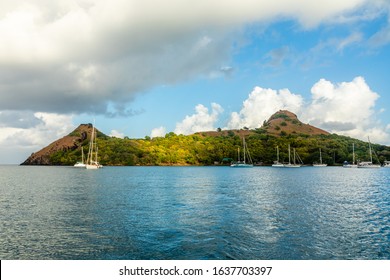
(194, 213)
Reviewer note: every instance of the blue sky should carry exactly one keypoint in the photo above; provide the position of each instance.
(149, 68)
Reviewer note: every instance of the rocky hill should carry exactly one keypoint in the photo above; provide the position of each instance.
(70, 142)
(285, 122)
(281, 123)
(213, 147)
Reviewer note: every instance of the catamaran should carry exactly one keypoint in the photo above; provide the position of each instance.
(92, 159)
(243, 163)
(295, 155)
(320, 164)
(81, 164)
(353, 165)
(368, 164)
(277, 163)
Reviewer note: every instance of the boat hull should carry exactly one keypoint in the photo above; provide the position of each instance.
(292, 165)
(241, 165)
(92, 166)
(350, 166)
(368, 165)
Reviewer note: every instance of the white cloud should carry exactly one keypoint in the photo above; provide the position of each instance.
(56, 55)
(347, 108)
(202, 120)
(24, 140)
(353, 38)
(117, 134)
(158, 132)
(261, 104)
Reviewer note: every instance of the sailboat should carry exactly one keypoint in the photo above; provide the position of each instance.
(277, 163)
(92, 159)
(368, 164)
(353, 165)
(386, 164)
(320, 164)
(294, 164)
(81, 163)
(239, 163)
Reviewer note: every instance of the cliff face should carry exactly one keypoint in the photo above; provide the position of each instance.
(68, 143)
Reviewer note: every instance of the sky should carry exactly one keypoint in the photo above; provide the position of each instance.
(147, 68)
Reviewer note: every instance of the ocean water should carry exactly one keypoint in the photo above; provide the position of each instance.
(169, 213)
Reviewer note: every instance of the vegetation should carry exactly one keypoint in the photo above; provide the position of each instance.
(202, 149)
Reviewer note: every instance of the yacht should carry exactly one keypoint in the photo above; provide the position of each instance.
(277, 163)
(353, 164)
(243, 163)
(295, 155)
(320, 164)
(368, 164)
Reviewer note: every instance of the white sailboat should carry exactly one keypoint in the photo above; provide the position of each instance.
(368, 164)
(243, 163)
(81, 164)
(277, 163)
(320, 164)
(92, 159)
(295, 155)
(386, 164)
(353, 165)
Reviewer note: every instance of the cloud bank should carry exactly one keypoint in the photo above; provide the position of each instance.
(347, 108)
(70, 56)
(202, 120)
(23, 133)
(261, 104)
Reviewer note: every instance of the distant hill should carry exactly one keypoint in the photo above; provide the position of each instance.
(281, 123)
(285, 122)
(68, 143)
(211, 147)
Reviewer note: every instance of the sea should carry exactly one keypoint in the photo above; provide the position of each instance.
(194, 213)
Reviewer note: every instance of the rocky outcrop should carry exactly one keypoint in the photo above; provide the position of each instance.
(70, 142)
(285, 122)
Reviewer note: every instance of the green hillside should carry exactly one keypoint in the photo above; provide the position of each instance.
(209, 148)
(201, 149)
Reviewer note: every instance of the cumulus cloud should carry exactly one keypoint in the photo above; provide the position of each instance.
(202, 120)
(78, 56)
(158, 132)
(18, 141)
(117, 134)
(347, 108)
(261, 104)
(18, 119)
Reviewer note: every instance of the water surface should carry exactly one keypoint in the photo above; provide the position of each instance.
(194, 213)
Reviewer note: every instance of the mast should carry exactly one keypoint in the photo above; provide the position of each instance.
(320, 157)
(289, 154)
(277, 153)
(353, 153)
(369, 145)
(96, 161)
(243, 141)
(294, 155)
(90, 151)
